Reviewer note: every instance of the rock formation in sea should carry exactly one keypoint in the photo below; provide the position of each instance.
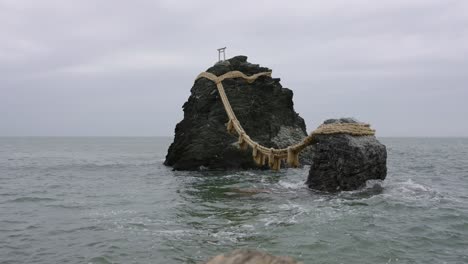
(264, 108)
(245, 256)
(343, 162)
(339, 162)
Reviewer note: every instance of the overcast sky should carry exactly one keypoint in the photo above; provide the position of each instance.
(125, 68)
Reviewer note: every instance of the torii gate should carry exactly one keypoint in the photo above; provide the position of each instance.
(221, 51)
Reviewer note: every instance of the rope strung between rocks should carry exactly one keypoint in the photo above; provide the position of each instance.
(262, 154)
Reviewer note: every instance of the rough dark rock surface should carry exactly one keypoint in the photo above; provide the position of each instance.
(245, 256)
(343, 162)
(264, 108)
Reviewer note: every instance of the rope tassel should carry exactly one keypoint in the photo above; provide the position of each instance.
(276, 164)
(271, 159)
(293, 158)
(290, 159)
(242, 143)
(264, 159)
(257, 155)
(258, 158)
(230, 127)
(255, 150)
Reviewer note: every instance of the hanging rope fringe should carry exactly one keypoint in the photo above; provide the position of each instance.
(255, 150)
(257, 155)
(293, 158)
(276, 164)
(271, 158)
(261, 154)
(264, 159)
(230, 127)
(242, 142)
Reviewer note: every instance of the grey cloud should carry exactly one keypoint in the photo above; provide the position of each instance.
(125, 68)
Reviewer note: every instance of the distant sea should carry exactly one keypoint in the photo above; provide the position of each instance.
(111, 200)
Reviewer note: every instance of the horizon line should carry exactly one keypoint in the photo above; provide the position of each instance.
(165, 136)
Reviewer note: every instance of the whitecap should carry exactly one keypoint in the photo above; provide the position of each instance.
(412, 188)
(411, 191)
(291, 185)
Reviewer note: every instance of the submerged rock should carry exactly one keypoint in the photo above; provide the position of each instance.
(264, 108)
(343, 162)
(245, 256)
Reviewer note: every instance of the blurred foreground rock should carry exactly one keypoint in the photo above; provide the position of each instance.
(245, 256)
(344, 162)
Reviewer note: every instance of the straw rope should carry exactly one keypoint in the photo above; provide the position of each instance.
(273, 157)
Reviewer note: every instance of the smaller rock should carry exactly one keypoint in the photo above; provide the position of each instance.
(245, 256)
(342, 162)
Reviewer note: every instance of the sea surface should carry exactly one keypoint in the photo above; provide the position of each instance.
(111, 200)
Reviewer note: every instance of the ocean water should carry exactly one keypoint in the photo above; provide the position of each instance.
(111, 200)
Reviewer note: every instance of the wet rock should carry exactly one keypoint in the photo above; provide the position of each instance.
(344, 162)
(264, 108)
(244, 256)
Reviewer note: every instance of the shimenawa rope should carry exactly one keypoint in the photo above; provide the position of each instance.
(263, 155)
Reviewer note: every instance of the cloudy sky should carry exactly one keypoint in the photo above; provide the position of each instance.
(124, 68)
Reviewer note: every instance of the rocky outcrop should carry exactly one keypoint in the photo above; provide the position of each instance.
(245, 256)
(264, 108)
(343, 162)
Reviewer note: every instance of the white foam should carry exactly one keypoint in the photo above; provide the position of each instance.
(278, 221)
(410, 190)
(410, 187)
(227, 235)
(291, 185)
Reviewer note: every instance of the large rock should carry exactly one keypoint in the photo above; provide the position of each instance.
(264, 108)
(245, 256)
(343, 162)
